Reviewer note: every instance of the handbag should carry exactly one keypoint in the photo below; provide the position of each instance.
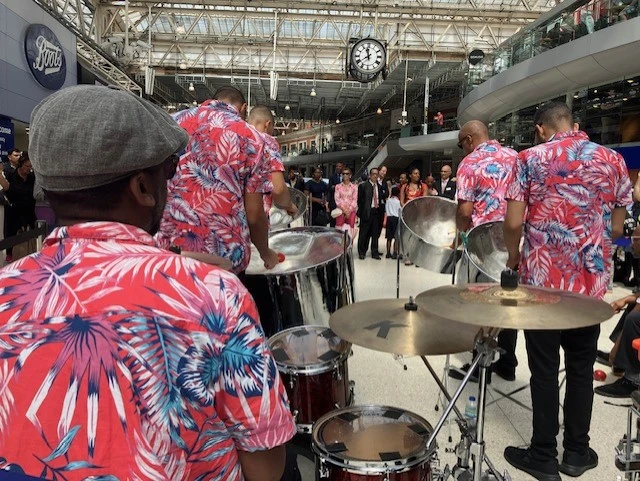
(322, 218)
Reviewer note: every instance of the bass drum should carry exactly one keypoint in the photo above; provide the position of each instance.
(367, 443)
(485, 255)
(314, 281)
(427, 229)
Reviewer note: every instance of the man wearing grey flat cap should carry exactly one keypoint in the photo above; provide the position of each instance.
(118, 359)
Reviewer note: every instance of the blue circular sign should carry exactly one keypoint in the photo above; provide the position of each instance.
(45, 56)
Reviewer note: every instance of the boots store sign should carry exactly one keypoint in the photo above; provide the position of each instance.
(45, 57)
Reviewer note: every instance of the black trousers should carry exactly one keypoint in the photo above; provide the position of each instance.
(543, 350)
(627, 356)
(507, 340)
(369, 231)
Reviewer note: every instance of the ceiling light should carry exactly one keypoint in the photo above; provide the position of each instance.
(337, 121)
(183, 66)
(313, 92)
(625, 99)
(630, 81)
(595, 91)
(180, 30)
(191, 87)
(286, 107)
(195, 103)
(379, 111)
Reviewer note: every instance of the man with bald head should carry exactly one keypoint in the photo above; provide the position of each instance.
(262, 120)
(446, 187)
(482, 183)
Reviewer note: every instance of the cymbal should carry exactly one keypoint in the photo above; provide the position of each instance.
(526, 307)
(385, 325)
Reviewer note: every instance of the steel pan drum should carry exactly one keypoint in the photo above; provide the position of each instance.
(427, 229)
(300, 200)
(485, 255)
(315, 279)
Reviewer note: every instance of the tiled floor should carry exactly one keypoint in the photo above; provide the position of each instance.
(380, 379)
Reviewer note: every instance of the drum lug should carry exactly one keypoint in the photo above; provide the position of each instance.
(292, 381)
(295, 416)
(337, 374)
(323, 471)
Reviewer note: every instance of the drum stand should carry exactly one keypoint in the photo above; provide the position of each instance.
(486, 347)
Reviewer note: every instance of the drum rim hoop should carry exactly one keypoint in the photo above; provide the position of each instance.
(317, 367)
(370, 467)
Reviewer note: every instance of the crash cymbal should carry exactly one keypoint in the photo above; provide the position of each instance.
(385, 325)
(526, 307)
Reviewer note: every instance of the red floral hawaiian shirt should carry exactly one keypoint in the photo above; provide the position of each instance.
(570, 186)
(122, 361)
(483, 177)
(225, 159)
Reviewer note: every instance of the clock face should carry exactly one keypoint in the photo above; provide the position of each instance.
(368, 56)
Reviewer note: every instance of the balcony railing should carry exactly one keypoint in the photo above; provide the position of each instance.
(582, 17)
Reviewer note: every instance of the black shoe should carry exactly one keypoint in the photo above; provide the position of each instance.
(602, 357)
(574, 464)
(460, 373)
(361, 257)
(506, 373)
(394, 256)
(622, 388)
(376, 257)
(521, 459)
(388, 256)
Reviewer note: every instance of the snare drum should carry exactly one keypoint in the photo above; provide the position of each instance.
(312, 361)
(367, 443)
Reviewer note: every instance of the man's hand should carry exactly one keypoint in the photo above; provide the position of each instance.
(292, 209)
(621, 304)
(270, 259)
(514, 261)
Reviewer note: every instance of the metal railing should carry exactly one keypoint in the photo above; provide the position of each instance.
(39, 234)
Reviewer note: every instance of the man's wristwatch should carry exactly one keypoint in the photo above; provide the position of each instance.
(175, 249)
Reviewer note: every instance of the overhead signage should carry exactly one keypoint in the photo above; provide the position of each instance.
(45, 56)
(476, 56)
(6, 136)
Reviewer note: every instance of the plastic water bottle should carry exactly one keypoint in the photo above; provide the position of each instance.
(471, 412)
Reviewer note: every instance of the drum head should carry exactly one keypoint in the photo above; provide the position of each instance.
(308, 349)
(303, 248)
(372, 437)
(486, 249)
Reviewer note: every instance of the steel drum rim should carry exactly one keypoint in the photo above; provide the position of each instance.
(301, 211)
(315, 368)
(353, 466)
(308, 229)
(466, 251)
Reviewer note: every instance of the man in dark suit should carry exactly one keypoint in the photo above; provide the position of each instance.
(369, 211)
(446, 187)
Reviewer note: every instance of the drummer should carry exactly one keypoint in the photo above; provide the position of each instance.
(262, 120)
(575, 194)
(482, 183)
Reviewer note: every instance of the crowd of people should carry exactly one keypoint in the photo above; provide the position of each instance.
(131, 345)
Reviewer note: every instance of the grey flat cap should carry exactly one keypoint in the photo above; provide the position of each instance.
(88, 136)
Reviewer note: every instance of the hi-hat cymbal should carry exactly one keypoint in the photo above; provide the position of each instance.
(526, 307)
(385, 325)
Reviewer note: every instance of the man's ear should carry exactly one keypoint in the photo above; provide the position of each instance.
(541, 132)
(243, 111)
(141, 190)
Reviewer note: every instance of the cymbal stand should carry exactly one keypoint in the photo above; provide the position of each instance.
(486, 347)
